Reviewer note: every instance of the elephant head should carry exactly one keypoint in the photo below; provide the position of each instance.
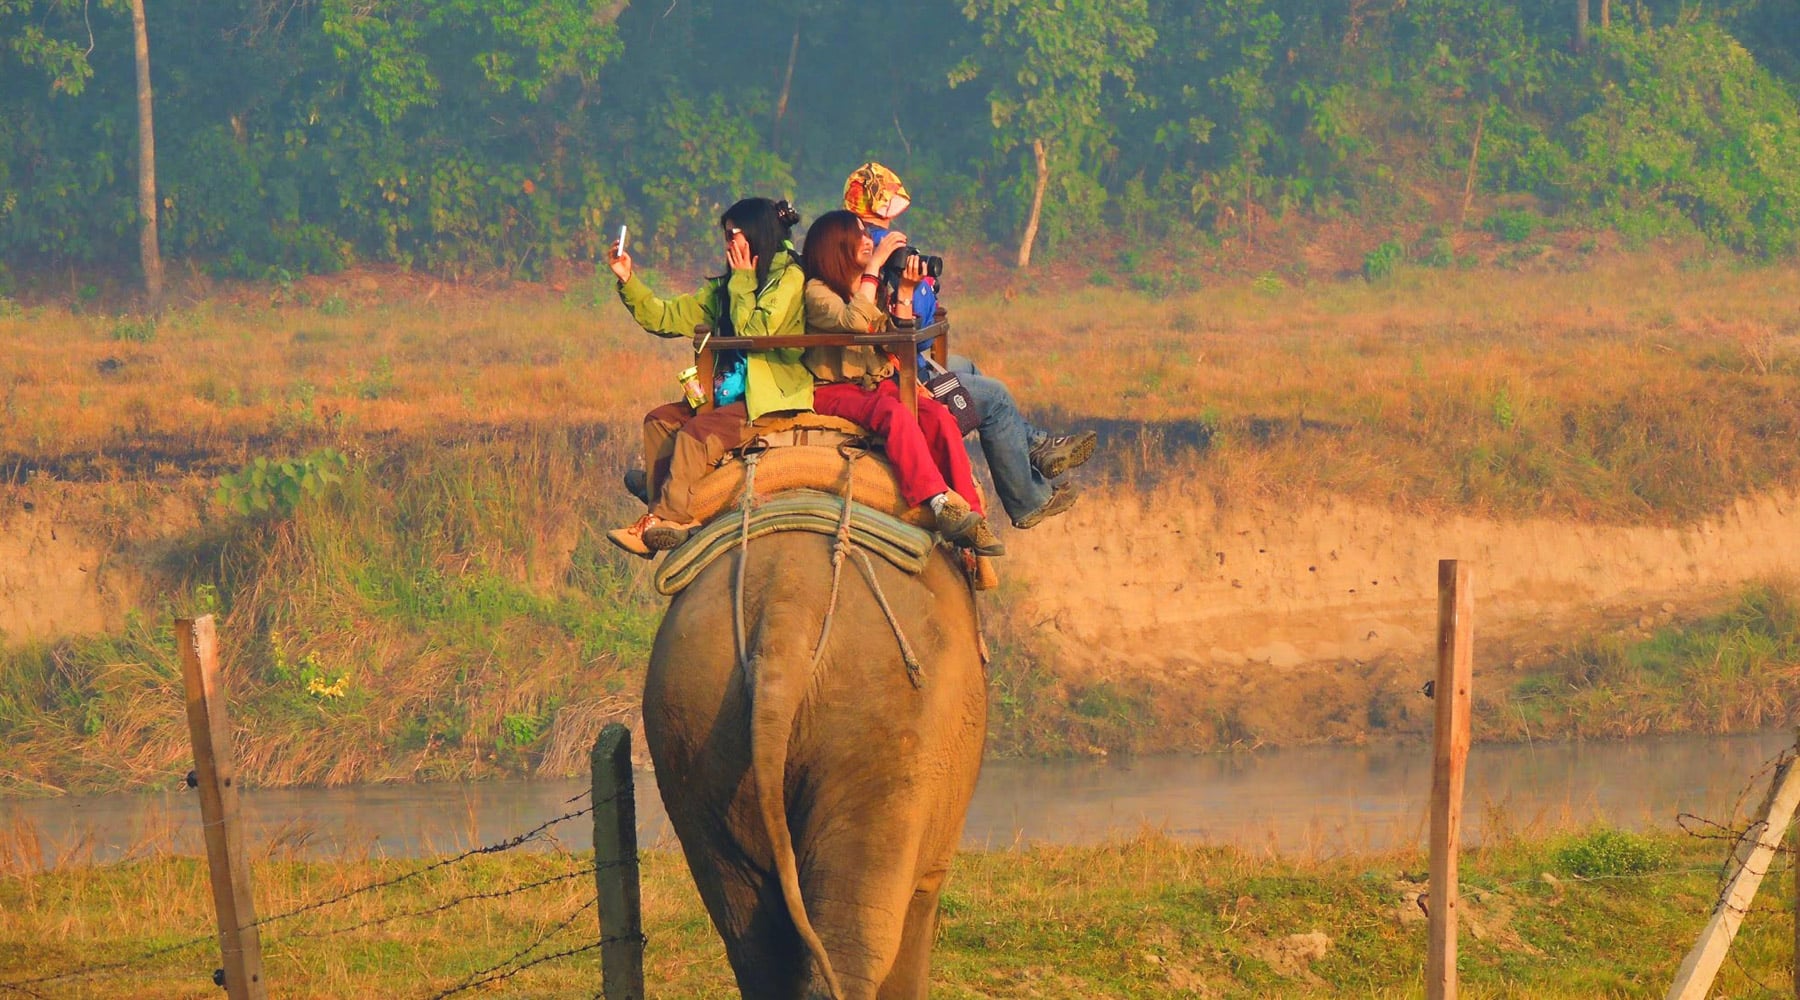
(819, 803)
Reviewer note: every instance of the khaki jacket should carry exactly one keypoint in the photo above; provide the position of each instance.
(826, 312)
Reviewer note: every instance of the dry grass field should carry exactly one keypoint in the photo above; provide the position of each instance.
(1643, 391)
(449, 608)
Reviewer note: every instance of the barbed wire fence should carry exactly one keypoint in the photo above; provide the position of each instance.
(49, 984)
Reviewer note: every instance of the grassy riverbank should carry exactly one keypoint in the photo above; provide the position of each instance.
(448, 609)
(1586, 915)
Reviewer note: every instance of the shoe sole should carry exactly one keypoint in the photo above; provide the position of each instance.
(626, 547)
(660, 538)
(1050, 509)
(1078, 453)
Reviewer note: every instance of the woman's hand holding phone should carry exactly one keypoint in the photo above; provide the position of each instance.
(737, 253)
(618, 259)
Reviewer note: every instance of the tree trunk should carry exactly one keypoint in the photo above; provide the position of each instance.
(1605, 23)
(1042, 154)
(787, 87)
(1474, 160)
(1581, 25)
(148, 253)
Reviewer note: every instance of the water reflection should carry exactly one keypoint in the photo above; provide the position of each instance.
(1319, 801)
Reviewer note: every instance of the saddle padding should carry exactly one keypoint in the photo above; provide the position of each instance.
(902, 544)
(806, 466)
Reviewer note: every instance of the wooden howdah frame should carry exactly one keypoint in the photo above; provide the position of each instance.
(903, 344)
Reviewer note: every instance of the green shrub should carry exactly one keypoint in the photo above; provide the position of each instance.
(1607, 852)
(1512, 225)
(138, 331)
(1383, 261)
(1687, 123)
(275, 486)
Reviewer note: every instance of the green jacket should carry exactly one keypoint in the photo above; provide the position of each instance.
(775, 379)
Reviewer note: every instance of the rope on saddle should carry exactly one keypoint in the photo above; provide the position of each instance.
(840, 547)
(851, 451)
(751, 454)
(914, 671)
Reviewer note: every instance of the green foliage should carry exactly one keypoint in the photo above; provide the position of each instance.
(463, 135)
(1383, 261)
(518, 731)
(274, 487)
(138, 331)
(1047, 65)
(379, 383)
(1505, 416)
(1512, 225)
(1608, 853)
(1686, 120)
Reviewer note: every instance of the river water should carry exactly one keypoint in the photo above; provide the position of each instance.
(1310, 802)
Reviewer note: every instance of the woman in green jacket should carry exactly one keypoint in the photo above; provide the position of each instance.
(759, 295)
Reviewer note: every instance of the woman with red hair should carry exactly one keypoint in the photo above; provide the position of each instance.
(842, 268)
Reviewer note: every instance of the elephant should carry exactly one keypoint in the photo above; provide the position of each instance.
(819, 806)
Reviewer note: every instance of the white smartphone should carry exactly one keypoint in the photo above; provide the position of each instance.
(622, 230)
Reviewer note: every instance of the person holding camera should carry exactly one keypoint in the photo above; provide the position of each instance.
(1023, 459)
(843, 267)
(758, 295)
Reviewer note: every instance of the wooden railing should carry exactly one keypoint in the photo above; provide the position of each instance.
(902, 344)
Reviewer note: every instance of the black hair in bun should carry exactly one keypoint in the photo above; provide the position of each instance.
(787, 213)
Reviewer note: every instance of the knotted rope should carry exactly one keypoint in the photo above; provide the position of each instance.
(851, 450)
(752, 452)
(841, 546)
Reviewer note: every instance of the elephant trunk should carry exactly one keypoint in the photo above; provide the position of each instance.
(781, 675)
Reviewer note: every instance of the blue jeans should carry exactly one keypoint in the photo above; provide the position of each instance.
(1006, 440)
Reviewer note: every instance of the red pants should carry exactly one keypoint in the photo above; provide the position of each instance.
(927, 454)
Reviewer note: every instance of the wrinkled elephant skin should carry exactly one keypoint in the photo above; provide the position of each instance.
(819, 808)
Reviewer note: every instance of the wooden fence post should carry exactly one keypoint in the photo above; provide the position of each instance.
(1449, 752)
(616, 867)
(1755, 851)
(215, 771)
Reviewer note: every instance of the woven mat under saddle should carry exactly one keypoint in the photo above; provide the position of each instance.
(906, 546)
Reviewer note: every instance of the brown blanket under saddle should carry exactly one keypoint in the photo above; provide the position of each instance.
(808, 451)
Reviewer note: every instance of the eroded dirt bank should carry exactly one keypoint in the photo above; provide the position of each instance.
(1275, 623)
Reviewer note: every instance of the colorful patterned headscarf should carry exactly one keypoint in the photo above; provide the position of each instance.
(875, 194)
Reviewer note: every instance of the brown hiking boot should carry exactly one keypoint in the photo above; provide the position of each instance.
(956, 518)
(631, 539)
(666, 534)
(982, 540)
(1059, 453)
(959, 523)
(1061, 499)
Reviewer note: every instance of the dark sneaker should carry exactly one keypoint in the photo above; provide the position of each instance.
(1062, 497)
(638, 485)
(1059, 453)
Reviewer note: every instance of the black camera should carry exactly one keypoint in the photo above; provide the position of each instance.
(895, 268)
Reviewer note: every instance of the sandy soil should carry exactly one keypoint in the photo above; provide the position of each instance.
(1286, 624)
(55, 578)
(1257, 623)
